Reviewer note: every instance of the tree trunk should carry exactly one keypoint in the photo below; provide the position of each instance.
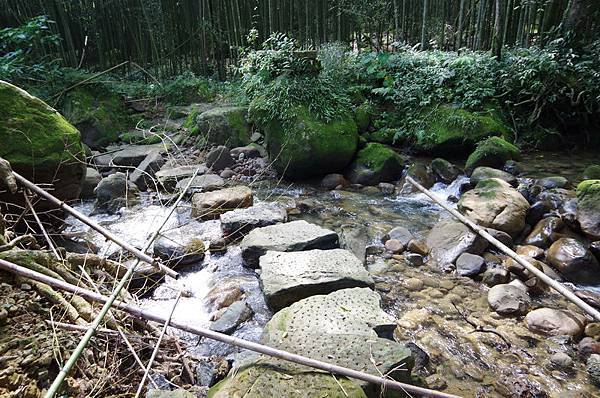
(424, 26)
(497, 39)
(461, 18)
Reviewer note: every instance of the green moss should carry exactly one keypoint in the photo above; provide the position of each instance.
(492, 152)
(97, 106)
(374, 156)
(309, 147)
(588, 188)
(190, 121)
(592, 172)
(383, 136)
(362, 116)
(445, 129)
(238, 123)
(33, 134)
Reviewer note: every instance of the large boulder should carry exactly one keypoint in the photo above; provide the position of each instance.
(90, 182)
(308, 147)
(552, 322)
(226, 125)
(449, 239)
(239, 222)
(114, 192)
(293, 236)
(588, 208)
(375, 163)
(98, 113)
(292, 276)
(492, 152)
(574, 261)
(495, 204)
(211, 205)
(41, 146)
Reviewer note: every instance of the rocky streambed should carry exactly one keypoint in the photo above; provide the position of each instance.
(377, 279)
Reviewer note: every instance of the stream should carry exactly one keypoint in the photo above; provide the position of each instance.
(470, 364)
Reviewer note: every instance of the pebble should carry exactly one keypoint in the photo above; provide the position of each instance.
(561, 360)
(436, 294)
(418, 246)
(414, 284)
(414, 259)
(394, 246)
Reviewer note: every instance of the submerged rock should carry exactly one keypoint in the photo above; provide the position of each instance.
(211, 205)
(543, 232)
(114, 192)
(374, 164)
(492, 152)
(290, 277)
(495, 204)
(508, 300)
(552, 322)
(401, 234)
(292, 236)
(574, 261)
(239, 222)
(588, 208)
(449, 239)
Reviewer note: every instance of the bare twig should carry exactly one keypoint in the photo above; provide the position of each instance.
(479, 328)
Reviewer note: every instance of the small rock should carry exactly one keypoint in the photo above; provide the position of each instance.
(530, 251)
(588, 346)
(561, 360)
(219, 158)
(593, 368)
(394, 246)
(399, 233)
(90, 182)
(414, 284)
(332, 181)
(114, 192)
(418, 246)
(227, 173)
(436, 382)
(469, 264)
(495, 276)
(234, 315)
(536, 212)
(211, 205)
(552, 322)
(553, 182)
(508, 300)
(386, 188)
(414, 259)
(249, 152)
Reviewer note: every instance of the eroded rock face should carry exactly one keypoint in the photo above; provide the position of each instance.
(495, 204)
(240, 222)
(508, 300)
(211, 205)
(449, 239)
(574, 261)
(552, 322)
(292, 236)
(290, 277)
(114, 192)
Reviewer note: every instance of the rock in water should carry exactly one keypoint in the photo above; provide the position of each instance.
(237, 223)
(236, 314)
(401, 234)
(91, 181)
(588, 208)
(468, 264)
(288, 237)
(446, 171)
(593, 368)
(449, 239)
(41, 146)
(492, 152)
(574, 261)
(374, 164)
(495, 204)
(307, 147)
(553, 322)
(211, 205)
(114, 192)
(290, 277)
(484, 173)
(168, 175)
(176, 248)
(203, 183)
(541, 235)
(508, 300)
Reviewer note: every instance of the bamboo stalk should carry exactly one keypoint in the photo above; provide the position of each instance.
(207, 333)
(557, 286)
(88, 79)
(54, 387)
(156, 347)
(39, 222)
(97, 227)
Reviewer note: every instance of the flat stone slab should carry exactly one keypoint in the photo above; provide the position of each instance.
(293, 236)
(211, 205)
(292, 276)
(241, 221)
(202, 183)
(169, 175)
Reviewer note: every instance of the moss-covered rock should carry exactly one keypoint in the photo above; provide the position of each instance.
(226, 125)
(40, 145)
(98, 113)
(492, 152)
(592, 172)
(588, 208)
(385, 136)
(375, 163)
(447, 130)
(307, 147)
(362, 116)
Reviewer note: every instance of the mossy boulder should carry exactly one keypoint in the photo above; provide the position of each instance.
(492, 152)
(98, 113)
(308, 147)
(448, 130)
(225, 125)
(588, 208)
(375, 163)
(385, 136)
(40, 145)
(592, 172)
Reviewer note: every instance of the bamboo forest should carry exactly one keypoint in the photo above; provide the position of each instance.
(299, 198)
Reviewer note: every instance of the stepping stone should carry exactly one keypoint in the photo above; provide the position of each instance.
(203, 183)
(237, 223)
(168, 176)
(211, 205)
(293, 236)
(290, 277)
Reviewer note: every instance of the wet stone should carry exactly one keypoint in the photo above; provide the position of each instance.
(211, 205)
(202, 183)
(414, 259)
(561, 360)
(394, 246)
(495, 276)
(400, 234)
(234, 316)
(414, 284)
(240, 222)
(552, 322)
(508, 300)
(469, 264)
(418, 246)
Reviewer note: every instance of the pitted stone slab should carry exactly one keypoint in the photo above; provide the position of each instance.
(346, 311)
(292, 276)
(241, 221)
(293, 236)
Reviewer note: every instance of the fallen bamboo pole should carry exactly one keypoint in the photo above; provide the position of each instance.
(97, 227)
(59, 379)
(207, 333)
(557, 286)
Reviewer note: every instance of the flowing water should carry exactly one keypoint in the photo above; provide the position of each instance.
(471, 364)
